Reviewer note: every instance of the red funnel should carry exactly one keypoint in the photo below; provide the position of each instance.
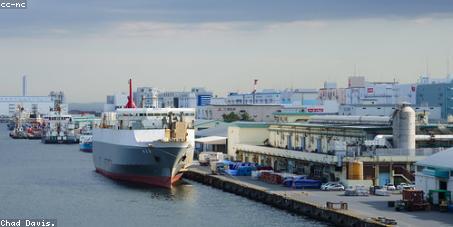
(130, 100)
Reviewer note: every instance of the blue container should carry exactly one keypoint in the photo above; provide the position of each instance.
(245, 170)
(232, 172)
(450, 208)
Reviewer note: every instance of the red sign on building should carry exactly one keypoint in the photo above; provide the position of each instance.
(315, 110)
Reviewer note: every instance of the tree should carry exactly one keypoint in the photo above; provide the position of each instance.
(246, 117)
(230, 117)
(235, 117)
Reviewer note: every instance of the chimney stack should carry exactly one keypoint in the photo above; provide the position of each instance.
(24, 85)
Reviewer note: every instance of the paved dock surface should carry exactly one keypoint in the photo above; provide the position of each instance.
(366, 206)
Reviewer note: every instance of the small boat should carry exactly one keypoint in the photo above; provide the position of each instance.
(18, 133)
(19, 120)
(34, 126)
(58, 128)
(86, 143)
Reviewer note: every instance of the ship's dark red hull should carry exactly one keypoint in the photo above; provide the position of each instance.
(160, 181)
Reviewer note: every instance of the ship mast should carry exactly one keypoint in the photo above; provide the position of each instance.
(130, 100)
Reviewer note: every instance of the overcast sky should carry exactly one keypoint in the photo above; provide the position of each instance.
(89, 48)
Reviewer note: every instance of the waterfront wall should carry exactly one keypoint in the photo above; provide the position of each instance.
(336, 217)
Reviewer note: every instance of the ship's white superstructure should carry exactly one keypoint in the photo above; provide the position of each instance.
(58, 128)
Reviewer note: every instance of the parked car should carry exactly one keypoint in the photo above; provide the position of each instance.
(334, 187)
(382, 192)
(325, 185)
(328, 184)
(358, 190)
(404, 186)
(390, 187)
(409, 187)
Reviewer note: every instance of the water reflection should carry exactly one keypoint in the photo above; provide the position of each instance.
(181, 191)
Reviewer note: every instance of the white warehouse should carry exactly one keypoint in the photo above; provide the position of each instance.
(434, 113)
(435, 173)
(41, 104)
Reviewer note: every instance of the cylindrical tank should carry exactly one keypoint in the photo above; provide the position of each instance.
(355, 170)
(404, 128)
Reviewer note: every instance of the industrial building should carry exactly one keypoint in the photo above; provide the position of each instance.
(185, 99)
(360, 91)
(287, 97)
(38, 104)
(151, 97)
(435, 175)
(436, 94)
(330, 92)
(291, 117)
(433, 113)
(256, 112)
(264, 97)
(299, 97)
(378, 150)
(115, 101)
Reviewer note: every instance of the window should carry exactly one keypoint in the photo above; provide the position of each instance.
(420, 168)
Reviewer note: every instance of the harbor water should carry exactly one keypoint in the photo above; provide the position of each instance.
(59, 182)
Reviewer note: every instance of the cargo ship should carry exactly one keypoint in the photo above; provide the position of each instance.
(144, 145)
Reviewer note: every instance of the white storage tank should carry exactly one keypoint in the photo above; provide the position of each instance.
(404, 128)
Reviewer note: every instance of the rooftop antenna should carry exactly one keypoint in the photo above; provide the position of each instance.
(448, 67)
(255, 83)
(291, 84)
(427, 67)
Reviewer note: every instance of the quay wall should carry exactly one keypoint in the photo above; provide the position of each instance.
(292, 205)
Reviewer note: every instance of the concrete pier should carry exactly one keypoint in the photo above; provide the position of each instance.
(288, 203)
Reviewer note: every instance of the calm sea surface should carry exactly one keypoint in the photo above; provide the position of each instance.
(58, 181)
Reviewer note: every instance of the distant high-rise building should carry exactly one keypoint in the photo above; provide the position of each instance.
(185, 99)
(437, 94)
(146, 97)
(115, 101)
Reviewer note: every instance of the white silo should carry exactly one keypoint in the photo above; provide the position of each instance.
(404, 128)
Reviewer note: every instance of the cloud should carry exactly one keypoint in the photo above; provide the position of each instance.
(423, 21)
(165, 29)
(159, 29)
(308, 24)
(148, 17)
